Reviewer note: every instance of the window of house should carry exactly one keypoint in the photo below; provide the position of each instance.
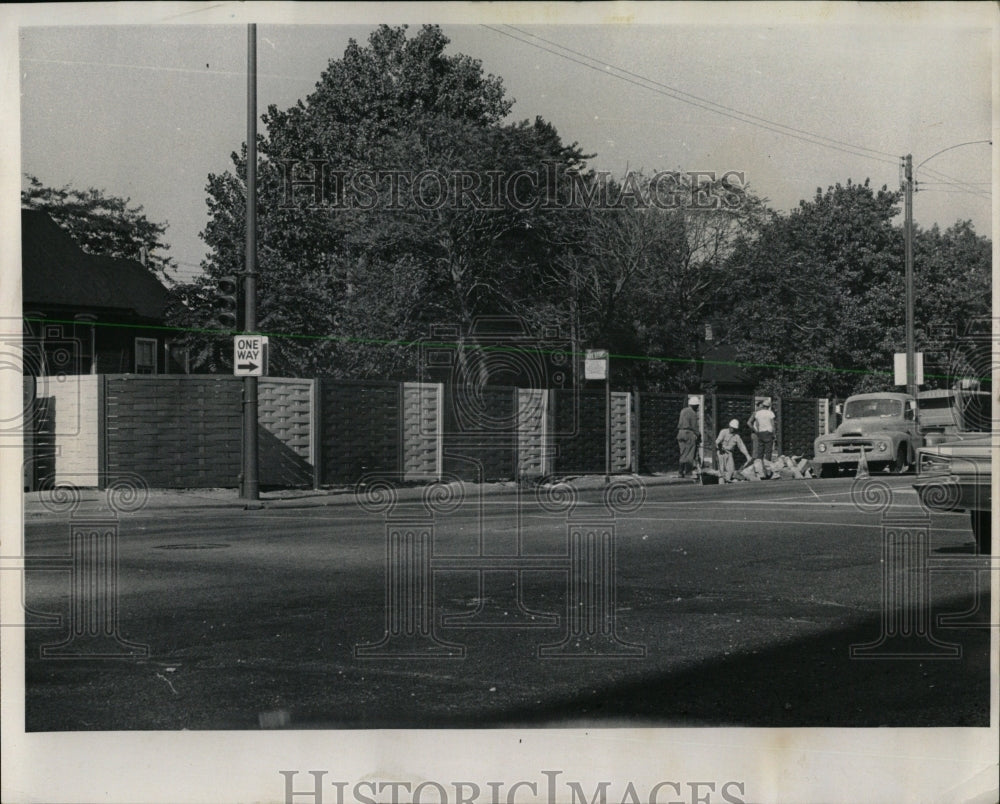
(145, 356)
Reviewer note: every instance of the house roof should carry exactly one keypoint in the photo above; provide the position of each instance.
(55, 271)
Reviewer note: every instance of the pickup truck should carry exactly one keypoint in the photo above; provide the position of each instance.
(882, 425)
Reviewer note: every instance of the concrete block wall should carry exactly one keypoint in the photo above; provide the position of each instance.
(357, 430)
(185, 431)
(658, 413)
(621, 431)
(62, 432)
(285, 442)
(421, 430)
(480, 432)
(534, 452)
(175, 431)
(802, 420)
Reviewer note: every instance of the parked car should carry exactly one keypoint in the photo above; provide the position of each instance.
(882, 425)
(955, 476)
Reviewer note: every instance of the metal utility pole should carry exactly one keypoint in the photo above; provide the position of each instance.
(250, 485)
(911, 358)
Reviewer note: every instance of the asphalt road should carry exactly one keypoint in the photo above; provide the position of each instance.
(742, 603)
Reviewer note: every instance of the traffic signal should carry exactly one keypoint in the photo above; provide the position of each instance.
(227, 302)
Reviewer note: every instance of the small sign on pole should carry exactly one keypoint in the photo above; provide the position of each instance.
(595, 366)
(249, 355)
(899, 367)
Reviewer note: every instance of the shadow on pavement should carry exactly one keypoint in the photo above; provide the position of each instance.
(805, 682)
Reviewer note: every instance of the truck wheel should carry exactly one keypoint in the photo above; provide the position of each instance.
(828, 470)
(900, 465)
(981, 530)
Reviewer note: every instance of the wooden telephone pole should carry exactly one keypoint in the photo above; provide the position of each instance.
(911, 358)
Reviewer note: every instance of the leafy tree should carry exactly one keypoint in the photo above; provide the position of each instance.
(952, 280)
(103, 224)
(639, 273)
(795, 289)
(819, 293)
(357, 277)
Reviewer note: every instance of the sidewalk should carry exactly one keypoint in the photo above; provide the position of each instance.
(92, 500)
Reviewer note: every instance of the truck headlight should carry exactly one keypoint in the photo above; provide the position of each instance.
(821, 447)
(882, 446)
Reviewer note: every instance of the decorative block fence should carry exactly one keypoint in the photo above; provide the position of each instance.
(185, 431)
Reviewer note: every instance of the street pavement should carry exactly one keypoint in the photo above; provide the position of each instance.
(724, 605)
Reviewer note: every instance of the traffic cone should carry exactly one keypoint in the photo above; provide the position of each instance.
(862, 465)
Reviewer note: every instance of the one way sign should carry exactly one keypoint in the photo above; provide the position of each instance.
(250, 355)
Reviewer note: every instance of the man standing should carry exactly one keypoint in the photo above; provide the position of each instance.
(687, 435)
(727, 443)
(753, 432)
(762, 423)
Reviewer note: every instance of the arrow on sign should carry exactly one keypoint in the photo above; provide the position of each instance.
(247, 366)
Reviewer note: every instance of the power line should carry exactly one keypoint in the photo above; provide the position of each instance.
(957, 182)
(700, 99)
(733, 113)
(693, 100)
(956, 191)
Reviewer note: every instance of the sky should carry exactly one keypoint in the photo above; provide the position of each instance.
(795, 103)
(797, 96)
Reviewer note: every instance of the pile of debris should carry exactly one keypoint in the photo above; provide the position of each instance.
(781, 467)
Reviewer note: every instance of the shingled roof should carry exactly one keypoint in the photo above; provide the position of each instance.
(56, 272)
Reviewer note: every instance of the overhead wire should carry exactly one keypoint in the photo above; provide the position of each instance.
(947, 179)
(719, 106)
(711, 106)
(603, 67)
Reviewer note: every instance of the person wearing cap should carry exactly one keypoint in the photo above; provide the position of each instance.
(753, 432)
(762, 423)
(687, 436)
(726, 444)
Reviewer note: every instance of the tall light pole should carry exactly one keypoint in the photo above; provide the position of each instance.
(250, 485)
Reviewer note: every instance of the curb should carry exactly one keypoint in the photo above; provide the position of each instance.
(93, 500)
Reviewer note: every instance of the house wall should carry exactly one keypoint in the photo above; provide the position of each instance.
(116, 349)
(69, 345)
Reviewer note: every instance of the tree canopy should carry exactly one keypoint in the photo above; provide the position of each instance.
(398, 198)
(817, 296)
